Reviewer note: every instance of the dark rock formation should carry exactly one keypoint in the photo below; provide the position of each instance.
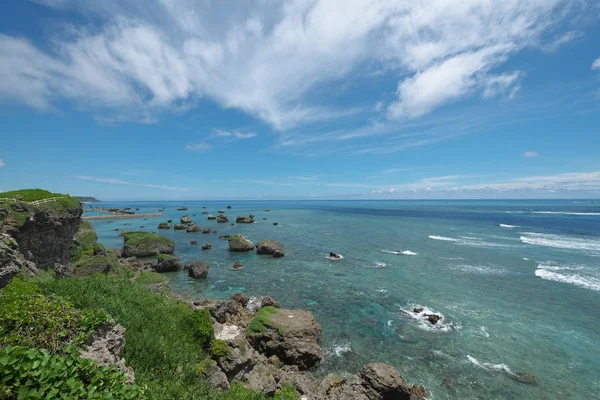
(207, 230)
(193, 228)
(268, 301)
(229, 207)
(12, 262)
(221, 212)
(244, 220)
(164, 225)
(433, 318)
(270, 247)
(144, 244)
(278, 253)
(198, 269)
(222, 218)
(207, 246)
(240, 298)
(239, 243)
(224, 237)
(238, 265)
(210, 216)
(167, 263)
(185, 219)
(334, 255)
(194, 242)
(180, 227)
(275, 223)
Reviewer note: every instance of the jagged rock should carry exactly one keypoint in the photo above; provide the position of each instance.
(215, 377)
(261, 379)
(211, 216)
(180, 227)
(275, 223)
(168, 264)
(268, 247)
(418, 310)
(239, 243)
(106, 348)
(198, 269)
(221, 212)
(523, 377)
(207, 246)
(229, 207)
(193, 228)
(268, 301)
(291, 335)
(164, 225)
(240, 298)
(12, 262)
(334, 255)
(224, 237)
(278, 253)
(433, 318)
(228, 307)
(186, 219)
(244, 220)
(169, 221)
(382, 381)
(222, 218)
(194, 242)
(207, 230)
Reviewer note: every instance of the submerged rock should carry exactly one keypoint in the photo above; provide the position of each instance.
(194, 242)
(192, 228)
(207, 246)
(164, 225)
(245, 220)
(523, 377)
(222, 218)
(210, 216)
(270, 247)
(238, 265)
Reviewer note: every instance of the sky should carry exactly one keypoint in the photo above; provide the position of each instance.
(301, 99)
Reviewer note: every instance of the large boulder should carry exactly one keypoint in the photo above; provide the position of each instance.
(186, 219)
(270, 247)
(146, 244)
(180, 227)
(244, 220)
(291, 335)
(222, 218)
(197, 269)
(193, 228)
(211, 216)
(168, 263)
(164, 225)
(12, 262)
(239, 243)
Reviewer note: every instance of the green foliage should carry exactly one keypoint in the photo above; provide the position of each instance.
(145, 241)
(237, 236)
(31, 194)
(98, 248)
(28, 318)
(28, 373)
(11, 243)
(287, 392)
(261, 321)
(150, 278)
(97, 264)
(219, 348)
(200, 322)
(163, 257)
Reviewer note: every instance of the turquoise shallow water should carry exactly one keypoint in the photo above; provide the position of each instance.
(517, 283)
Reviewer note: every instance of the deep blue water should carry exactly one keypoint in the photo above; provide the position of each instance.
(517, 283)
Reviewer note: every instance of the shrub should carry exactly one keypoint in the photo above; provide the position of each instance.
(261, 320)
(202, 325)
(35, 374)
(219, 348)
(28, 318)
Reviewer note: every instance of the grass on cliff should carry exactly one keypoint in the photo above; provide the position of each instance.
(165, 341)
(261, 321)
(29, 195)
(145, 239)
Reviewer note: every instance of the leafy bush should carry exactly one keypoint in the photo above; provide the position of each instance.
(219, 348)
(35, 374)
(98, 248)
(28, 318)
(260, 322)
(202, 325)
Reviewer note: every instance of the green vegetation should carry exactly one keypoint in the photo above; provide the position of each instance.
(28, 318)
(106, 263)
(99, 248)
(29, 373)
(237, 236)
(29, 195)
(261, 321)
(200, 322)
(164, 257)
(87, 199)
(145, 243)
(150, 278)
(219, 348)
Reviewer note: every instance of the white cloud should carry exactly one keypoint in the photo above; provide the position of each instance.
(114, 181)
(2, 163)
(530, 154)
(222, 133)
(560, 41)
(243, 136)
(235, 134)
(596, 63)
(265, 58)
(198, 147)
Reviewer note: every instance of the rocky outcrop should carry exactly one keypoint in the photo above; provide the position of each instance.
(238, 243)
(197, 269)
(164, 225)
(106, 348)
(45, 232)
(271, 247)
(168, 263)
(145, 244)
(291, 335)
(211, 216)
(12, 262)
(207, 246)
(180, 227)
(222, 218)
(186, 219)
(244, 220)
(193, 228)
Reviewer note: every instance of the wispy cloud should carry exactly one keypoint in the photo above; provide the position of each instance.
(201, 147)
(2, 163)
(114, 181)
(269, 58)
(554, 45)
(530, 154)
(596, 63)
(234, 134)
(271, 183)
(311, 178)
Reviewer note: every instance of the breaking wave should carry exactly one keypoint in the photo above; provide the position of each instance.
(562, 241)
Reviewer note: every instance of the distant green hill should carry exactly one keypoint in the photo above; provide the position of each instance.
(87, 199)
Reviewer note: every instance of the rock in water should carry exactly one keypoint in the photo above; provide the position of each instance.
(145, 244)
(238, 265)
(192, 228)
(239, 243)
(292, 335)
(167, 263)
(186, 219)
(198, 269)
(240, 298)
(222, 218)
(180, 227)
(164, 225)
(269, 247)
(433, 318)
(245, 220)
(207, 246)
(210, 216)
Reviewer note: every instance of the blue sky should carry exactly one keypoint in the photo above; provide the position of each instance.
(182, 99)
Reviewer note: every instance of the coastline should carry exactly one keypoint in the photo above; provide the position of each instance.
(119, 216)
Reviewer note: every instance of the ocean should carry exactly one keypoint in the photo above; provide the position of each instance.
(517, 284)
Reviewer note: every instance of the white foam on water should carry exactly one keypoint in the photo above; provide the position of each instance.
(423, 323)
(400, 252)
(452, 258)
(491, 367)
(341, 257)
(480, 269)
(525, 258)
(443, 238)
(382, 290)
(585, 282)
(469, 237)
(380, 265)
(508, 226)
(566, 213)
(339, 348)
(484, 331)
(562, 241)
